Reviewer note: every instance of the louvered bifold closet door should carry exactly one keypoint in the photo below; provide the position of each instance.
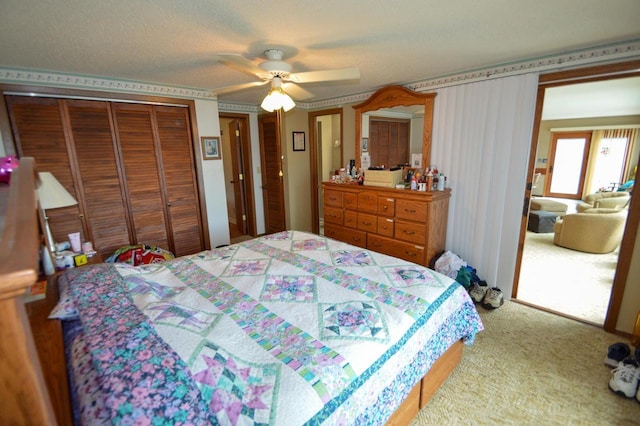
(39, 132)
(98, 177)
(179, 179)
(141, 162)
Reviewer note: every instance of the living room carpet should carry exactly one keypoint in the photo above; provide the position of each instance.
(564, 280)
(530, 367)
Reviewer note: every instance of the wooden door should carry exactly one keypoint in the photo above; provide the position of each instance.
(101, 190)
(39, 132)
(272, 183)
(140, 159)
(184, 221)
(239, 192)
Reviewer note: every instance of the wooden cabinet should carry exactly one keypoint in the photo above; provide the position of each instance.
(407, 224)
(131, 167)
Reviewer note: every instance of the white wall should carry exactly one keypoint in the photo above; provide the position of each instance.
(213, 176)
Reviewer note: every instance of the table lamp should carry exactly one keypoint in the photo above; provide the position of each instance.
(52, 195)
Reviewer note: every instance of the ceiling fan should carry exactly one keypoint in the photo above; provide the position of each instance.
(278, 72)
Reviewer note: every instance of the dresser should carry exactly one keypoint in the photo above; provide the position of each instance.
(410, 225)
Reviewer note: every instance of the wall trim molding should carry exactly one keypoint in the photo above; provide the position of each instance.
(70, 81)
(628, 50)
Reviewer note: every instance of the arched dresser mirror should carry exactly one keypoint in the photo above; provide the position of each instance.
(396, 96)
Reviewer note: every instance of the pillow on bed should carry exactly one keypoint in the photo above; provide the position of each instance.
(140, 254)
(66, 308)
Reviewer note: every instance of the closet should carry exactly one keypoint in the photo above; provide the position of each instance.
(130, 167)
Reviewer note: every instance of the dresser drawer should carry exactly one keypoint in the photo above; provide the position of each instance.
(410, 231)
(386, 206)
(385, 226)
(333, 198)
(350, 201)
(351, 218)
(411, 210)
(348, 235)
(367, 202)
(410, 252)
(367, 222)
(333, 215)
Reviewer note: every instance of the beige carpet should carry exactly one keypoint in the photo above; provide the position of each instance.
(530, 367)
(564, 280)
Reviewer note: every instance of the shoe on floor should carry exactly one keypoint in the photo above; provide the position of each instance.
(493, 299)
(478, 291)
(616, 353)
(624, 378)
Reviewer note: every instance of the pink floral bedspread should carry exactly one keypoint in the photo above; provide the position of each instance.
(291, 328)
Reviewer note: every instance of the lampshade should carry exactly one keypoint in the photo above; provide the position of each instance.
(52, 194)
(277, 98)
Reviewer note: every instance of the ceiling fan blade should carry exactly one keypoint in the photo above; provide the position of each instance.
(326, 75)
(238, 87)
(297, 92)
(240, 63)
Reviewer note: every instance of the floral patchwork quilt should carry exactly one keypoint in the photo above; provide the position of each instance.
(291, 328)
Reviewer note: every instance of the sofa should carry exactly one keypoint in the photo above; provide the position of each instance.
(609, 200)
(596, 230)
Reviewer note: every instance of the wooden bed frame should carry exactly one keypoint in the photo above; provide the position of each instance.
(24, 397)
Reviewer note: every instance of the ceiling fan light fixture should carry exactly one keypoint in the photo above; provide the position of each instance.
(276, 99)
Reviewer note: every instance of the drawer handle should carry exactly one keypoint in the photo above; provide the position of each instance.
(410, 211)
(408, 253)
(376, 244)
(385, 207)
(366, 223)
(333, 198)
(409, 232)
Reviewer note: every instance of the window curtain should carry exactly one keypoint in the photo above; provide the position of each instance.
(481, 142)
(600, 143)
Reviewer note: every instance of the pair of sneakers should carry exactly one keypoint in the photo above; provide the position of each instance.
(625, 376)
(489, 298)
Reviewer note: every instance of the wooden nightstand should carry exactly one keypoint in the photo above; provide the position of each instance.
(47, 335)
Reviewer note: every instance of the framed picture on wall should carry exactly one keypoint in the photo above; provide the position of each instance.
(211, 149)
(298, 141)
(365, 144)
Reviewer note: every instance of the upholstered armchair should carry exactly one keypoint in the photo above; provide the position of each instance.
(593, 231)
(608, 200)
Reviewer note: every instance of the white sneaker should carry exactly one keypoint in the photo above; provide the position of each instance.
(493, 299)
(478, 291)
(625, 377)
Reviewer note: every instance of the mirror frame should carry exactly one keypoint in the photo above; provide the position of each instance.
(392, 96)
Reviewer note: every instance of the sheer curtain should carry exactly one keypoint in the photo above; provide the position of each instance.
(610, 159)
(481, 141)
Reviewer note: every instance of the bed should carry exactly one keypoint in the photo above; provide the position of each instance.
(289, 328)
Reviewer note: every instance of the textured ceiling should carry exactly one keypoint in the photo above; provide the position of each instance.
(175, 42)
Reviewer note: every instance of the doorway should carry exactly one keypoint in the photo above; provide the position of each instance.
(326, 156)
(538, 164)
(236, 152)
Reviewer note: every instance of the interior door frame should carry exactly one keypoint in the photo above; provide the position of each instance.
(552, 160)
(313, 162)
(562, 78)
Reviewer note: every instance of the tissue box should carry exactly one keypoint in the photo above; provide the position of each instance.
(383, 178)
